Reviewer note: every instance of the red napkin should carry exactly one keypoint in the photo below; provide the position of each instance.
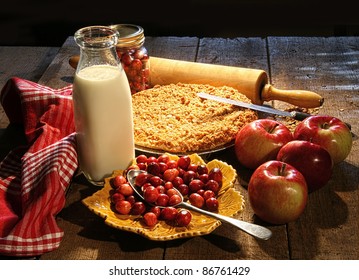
(34, 178)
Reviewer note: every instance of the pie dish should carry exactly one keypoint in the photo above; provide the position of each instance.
(230, 200)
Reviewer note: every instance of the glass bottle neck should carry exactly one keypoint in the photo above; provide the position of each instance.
(97, 45)
(90, 57)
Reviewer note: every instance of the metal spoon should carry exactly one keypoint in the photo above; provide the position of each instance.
(252, 229)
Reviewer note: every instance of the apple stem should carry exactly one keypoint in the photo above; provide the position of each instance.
(282, 168)
(325, 125)
(273, 128)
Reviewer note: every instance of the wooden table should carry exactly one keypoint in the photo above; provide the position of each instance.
(329, 227)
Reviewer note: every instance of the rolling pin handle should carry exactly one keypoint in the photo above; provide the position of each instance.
(300, 98)
(74, 60)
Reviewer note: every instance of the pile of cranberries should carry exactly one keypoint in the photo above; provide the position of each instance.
(161, 183)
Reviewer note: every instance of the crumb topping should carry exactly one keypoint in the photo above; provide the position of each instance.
(173, 118)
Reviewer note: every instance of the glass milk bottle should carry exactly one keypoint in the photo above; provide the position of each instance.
(102, 106)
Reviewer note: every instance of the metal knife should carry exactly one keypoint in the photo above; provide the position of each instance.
(293, 114)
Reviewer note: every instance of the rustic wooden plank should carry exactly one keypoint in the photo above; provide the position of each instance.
(183, 48)
(227, 242)
(240, 52)
(60, 73)
(328, 229)
(24, 62)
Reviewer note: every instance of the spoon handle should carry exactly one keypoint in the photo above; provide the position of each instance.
(252, 229)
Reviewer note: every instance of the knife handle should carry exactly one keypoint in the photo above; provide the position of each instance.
(299, 116)
(301, 98)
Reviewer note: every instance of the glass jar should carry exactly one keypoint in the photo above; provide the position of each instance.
(133, 55)
(102, 106)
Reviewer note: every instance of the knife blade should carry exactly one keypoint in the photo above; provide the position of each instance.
(266, 109)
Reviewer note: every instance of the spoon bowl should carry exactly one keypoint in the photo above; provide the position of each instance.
(252, 229)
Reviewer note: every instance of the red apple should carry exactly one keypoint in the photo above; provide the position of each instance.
(329, 132)
(260, 141)
(277, 192)
(313, 161)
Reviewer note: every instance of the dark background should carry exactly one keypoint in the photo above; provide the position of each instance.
(49, 23)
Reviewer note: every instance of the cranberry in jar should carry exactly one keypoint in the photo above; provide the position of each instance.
(133, 55)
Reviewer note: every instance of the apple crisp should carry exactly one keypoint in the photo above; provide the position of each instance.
(173, 118)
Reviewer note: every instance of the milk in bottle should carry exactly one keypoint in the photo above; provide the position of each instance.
(102, 106)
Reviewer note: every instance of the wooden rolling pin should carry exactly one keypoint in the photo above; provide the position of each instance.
(251, 82)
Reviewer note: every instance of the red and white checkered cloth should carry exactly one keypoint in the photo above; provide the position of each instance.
(33, 179)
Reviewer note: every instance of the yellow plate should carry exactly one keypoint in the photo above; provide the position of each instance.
(230, 203)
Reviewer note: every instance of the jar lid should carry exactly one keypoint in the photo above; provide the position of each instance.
(130, 35)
